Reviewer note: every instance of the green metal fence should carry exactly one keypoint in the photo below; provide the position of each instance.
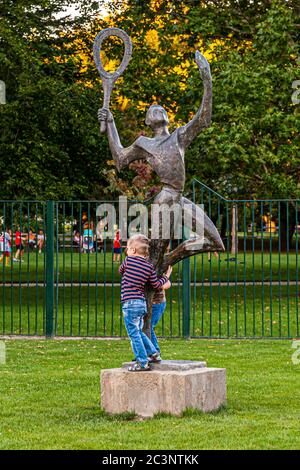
(60, 289)
(252, 289)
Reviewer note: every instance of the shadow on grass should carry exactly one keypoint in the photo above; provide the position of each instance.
(193, 413)
(96, 415)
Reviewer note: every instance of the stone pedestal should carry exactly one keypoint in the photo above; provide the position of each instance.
(170, 387)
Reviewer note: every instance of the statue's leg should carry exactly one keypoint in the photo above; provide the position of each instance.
(207, 236)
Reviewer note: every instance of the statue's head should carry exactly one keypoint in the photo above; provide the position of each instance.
(156, 116)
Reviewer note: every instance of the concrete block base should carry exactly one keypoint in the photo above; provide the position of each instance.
(164, 389)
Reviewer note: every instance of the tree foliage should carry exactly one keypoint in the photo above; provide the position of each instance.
(253, 47)
(49, 142)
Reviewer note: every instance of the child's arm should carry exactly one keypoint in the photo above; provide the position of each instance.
(123, 267)
(157, 282)
(167, 285)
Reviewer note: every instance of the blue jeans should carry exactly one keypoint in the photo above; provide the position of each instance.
(134, 312)
(157, 313)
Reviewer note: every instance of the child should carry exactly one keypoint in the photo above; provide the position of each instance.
(117, 247)
(31, 240)
(159, 304)
(19, 246)
(136, 271)
(88, 239)
(41, 239)
(5, 245)
(158, 307)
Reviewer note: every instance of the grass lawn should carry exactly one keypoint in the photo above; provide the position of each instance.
(100, 268)
(50, 398)
(217, 311)
(255, 308)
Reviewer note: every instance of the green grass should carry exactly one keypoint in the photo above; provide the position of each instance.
(218, 312)
(50, 398)
(100, 268)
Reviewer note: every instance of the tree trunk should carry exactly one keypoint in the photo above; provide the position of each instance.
(287, 224)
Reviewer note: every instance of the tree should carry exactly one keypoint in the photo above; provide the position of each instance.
(49, 142)
(253, 49)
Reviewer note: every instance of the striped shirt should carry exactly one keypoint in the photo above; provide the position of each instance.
(136, 272)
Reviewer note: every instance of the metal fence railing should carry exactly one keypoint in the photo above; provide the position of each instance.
(64, 280)
(252, 289)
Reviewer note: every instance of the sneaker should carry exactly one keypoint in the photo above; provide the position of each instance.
(154, 358)
(15, 260)
(137, 367)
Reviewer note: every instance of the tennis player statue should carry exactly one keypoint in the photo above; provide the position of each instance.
(164, 152)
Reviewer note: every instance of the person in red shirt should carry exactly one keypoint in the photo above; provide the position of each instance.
(19, 246)
(117, 247)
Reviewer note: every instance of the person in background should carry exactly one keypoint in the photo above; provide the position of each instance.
(117, 247)
(31, 240)
(84, 221)
(5, 246)
(88, 239)
(19, 246)
(216, 255)
(41, 240)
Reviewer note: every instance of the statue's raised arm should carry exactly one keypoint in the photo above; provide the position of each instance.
(202, 118)
(122, 156)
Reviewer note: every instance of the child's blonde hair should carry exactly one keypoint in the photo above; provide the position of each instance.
(140, 243)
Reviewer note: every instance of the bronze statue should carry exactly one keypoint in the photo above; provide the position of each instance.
(164, 152)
